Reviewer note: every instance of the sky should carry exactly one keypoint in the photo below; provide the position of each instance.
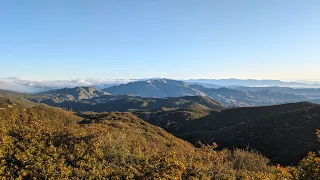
(179, 39)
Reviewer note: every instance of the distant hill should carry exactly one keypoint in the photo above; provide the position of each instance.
(132, 103)
(67, 94)
(231, 97)
(310, 93)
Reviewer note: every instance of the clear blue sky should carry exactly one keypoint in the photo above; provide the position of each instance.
(62, 39)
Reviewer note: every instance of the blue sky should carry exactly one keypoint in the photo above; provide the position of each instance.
(181, 39)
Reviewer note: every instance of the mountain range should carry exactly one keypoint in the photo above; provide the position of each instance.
(229, 97)
(27, 85)
(166, 88)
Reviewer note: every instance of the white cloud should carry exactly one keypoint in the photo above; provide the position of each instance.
(27, 85)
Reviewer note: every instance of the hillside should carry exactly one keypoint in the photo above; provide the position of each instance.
(285, 133)
(9, 98)
(229, 117)
(284, 137)
(48, 143)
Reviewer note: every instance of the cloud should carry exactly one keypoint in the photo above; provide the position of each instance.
(27, 85)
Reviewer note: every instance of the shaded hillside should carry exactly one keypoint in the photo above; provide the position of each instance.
(47, 143)
(284, 133)
(230, 117)
(67, 94)
(285, 137)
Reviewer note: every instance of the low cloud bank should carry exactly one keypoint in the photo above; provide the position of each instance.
(27, 85)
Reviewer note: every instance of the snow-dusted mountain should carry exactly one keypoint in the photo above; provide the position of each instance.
(27, 85)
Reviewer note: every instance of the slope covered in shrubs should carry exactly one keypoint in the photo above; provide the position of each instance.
(47, 143)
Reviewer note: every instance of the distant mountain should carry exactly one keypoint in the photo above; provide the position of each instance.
(155, 88)
(253, 83)
(228, 97)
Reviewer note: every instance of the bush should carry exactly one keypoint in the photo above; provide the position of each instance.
(248, 160)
